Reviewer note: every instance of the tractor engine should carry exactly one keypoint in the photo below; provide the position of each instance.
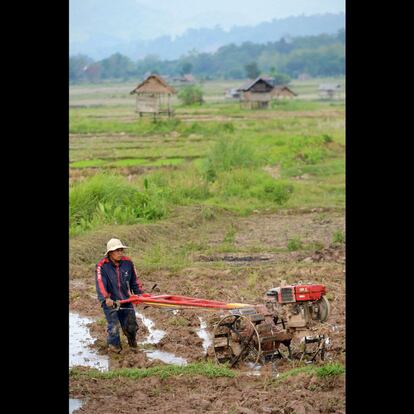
(255, 334)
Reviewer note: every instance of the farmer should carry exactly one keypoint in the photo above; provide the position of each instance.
(116, 279)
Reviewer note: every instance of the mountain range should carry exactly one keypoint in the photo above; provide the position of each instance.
(107, 37)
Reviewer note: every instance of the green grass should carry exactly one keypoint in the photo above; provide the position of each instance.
(110, 199)
(338, 237)
(164, 256)
(207, 369)
(218, 163)
(87, 163)
(294, 244)
(128, 162)
(326, 370)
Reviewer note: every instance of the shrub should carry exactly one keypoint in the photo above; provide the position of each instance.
(191, 95)
(278, 192)
(228, 154)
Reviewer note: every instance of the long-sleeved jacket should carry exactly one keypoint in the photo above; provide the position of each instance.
(116, 282)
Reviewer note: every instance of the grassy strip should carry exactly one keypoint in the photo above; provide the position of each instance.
(79, 124)
(207, 369)
(326, 370)
(88, 163)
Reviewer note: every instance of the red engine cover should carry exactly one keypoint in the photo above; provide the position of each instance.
(309, 292)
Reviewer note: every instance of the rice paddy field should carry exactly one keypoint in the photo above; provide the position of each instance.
(218, 202)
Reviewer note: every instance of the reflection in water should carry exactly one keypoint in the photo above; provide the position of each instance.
(79, 340)
(74, 405)
(203, 334)
(155, 336)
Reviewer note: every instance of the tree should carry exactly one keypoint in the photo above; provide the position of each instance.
(341, 35)
(283, 46)
(252, 70)
(117, 66)
(186, 68)
(281, 79)
(77, 67)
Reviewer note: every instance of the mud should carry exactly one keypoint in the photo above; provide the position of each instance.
(242, 394)
(234, 258)
(232, 277)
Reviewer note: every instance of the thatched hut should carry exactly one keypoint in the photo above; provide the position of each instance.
(256, 93)
(154, 96)
(282, 91)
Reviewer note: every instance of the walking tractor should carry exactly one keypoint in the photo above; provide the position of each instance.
(255, 333)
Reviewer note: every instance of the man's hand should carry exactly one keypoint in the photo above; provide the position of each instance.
(109, 302)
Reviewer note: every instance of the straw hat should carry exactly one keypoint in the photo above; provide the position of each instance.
(114, 244)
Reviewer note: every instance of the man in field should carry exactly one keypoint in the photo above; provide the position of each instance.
(116, 279)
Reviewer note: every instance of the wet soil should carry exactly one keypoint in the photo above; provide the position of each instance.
(242, 394)
(231, 277)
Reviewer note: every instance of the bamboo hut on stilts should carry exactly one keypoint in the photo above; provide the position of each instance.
(154, 97)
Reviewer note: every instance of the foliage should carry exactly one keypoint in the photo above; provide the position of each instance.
(106, 198)
(187, 67)
(281, 79)
(252, 70)
(192, 94)
(321, 55)
(229, 153)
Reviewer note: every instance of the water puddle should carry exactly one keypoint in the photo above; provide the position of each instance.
(155, 336)
(166, 357)
(79, 340)
(74, 405)
(204, 335)
(254, 369)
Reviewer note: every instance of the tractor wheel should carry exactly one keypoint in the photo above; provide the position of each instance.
(236, 340)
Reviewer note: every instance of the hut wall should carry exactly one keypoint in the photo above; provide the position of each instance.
(258, 97)
(147, 103)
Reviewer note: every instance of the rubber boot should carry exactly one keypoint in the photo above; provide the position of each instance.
(132, 342)
(114, 349)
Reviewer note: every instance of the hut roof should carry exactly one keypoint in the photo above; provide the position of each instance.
(154, 84)
(284, 88)
(248, 85)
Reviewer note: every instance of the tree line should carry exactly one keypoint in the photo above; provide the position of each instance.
(321, 55)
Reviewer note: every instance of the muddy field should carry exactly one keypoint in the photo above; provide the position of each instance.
(257, 263)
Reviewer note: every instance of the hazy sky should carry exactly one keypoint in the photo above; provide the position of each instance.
(154, 18)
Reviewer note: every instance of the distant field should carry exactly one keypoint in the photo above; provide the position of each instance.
(299, 142)
(118, 93)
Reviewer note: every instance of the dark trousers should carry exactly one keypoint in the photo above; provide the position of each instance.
(122, 318)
